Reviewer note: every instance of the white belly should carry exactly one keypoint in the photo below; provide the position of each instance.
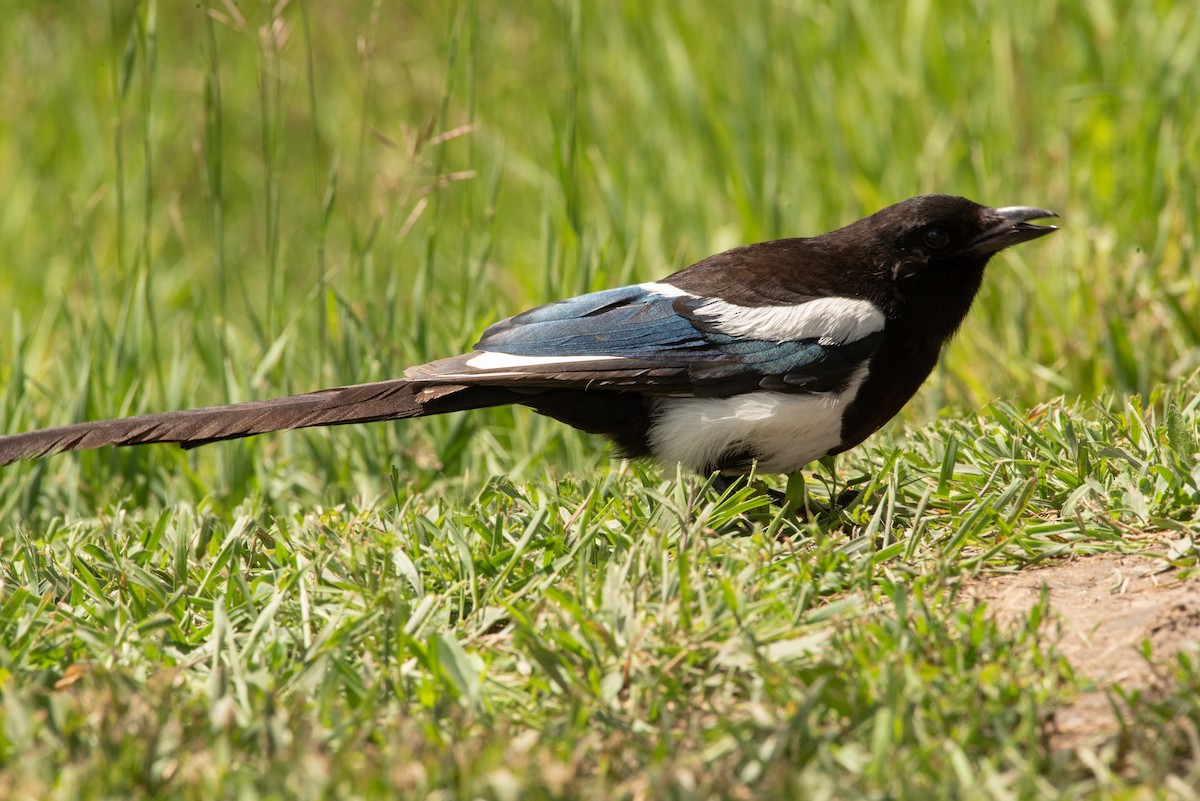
(783, 431)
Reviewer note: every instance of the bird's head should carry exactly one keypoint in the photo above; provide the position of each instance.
(930, 251)
(941, 237)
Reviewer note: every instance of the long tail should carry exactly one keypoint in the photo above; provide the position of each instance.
(361, 403)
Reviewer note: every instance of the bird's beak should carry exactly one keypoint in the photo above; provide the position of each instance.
(1012, 228)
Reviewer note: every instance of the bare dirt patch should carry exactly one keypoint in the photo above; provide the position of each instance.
(1107, 607)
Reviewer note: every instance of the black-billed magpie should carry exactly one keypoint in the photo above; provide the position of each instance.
(775, 354)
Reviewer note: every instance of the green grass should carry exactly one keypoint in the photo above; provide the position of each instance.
(268, 198)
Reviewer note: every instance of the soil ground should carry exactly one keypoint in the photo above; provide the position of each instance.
(1105, 608)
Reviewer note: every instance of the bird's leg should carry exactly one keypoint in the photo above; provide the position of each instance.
(721, 483)
(797, 500)
(844, 498)
(795, 495)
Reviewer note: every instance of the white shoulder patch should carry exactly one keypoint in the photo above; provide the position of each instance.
(832, 321)
(665, 290)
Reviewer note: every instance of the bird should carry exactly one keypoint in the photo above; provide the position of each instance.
(764, 358)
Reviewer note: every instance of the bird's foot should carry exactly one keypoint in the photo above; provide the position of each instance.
(794, 498)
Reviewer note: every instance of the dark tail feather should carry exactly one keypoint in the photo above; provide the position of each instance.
(362, 403)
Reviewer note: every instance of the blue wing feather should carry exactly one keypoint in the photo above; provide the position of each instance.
(655, 331)
(628, 322)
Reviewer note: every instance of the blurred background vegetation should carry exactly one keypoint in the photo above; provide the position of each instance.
(217, 201)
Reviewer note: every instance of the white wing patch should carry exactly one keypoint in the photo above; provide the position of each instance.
(490, 360)
(831, 321)
(783, 432)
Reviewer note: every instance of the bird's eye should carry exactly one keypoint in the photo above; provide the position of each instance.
(936, 238)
